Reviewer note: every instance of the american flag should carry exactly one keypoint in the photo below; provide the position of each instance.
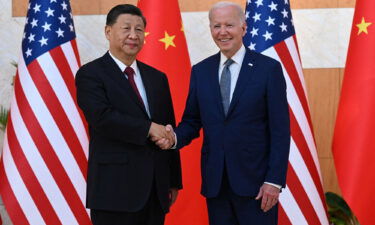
(44, 159)
(270, 31)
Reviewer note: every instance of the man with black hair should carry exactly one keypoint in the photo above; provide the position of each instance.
(126, 103)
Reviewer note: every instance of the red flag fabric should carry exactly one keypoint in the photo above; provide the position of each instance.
(44, 158)
(354, 141)
(165, 49)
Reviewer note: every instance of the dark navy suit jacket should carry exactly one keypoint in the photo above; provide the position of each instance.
(253, 139)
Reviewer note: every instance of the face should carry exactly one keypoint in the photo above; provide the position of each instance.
(227, 29)
(126, 36)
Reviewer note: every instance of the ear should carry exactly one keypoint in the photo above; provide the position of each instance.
(107, 31)
(244, 28)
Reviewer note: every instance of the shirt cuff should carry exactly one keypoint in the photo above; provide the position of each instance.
(275, 185)
(175, 141)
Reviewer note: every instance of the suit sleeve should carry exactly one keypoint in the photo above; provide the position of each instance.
(175, 162)
(279, 127)
(102, 116)
(190, 125)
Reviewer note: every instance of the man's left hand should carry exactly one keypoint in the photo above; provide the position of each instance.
(269, 195)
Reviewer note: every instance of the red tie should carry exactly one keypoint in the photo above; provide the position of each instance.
(130, 73)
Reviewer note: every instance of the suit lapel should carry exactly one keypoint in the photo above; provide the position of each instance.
(115, 73)
(246, 73)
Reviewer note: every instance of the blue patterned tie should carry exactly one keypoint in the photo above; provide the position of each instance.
(225, 85)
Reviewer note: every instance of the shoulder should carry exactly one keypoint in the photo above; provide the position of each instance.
(263, 59)
(208, 62)
(94, 65)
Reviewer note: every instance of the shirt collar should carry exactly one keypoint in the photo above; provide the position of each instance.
(237, 57)
(122, 66)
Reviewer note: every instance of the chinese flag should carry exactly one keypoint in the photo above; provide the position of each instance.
(354, 138)
(166, 50)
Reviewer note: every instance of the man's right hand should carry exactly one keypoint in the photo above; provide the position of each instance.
(163, 136)
(269, 196)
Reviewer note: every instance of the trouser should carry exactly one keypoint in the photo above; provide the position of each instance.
(230, 209)
(151, 214)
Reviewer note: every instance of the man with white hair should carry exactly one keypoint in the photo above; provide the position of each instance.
(239, 99)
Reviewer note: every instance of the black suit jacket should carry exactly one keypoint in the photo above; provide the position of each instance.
(123, 163)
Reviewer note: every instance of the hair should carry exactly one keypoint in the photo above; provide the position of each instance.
(116, 11)
(219, 5)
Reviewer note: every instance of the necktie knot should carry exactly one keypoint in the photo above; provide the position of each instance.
(228, 62)
(129, 72)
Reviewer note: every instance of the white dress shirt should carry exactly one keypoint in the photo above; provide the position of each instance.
(137, 79)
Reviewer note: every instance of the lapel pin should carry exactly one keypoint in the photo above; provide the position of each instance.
(250, 64)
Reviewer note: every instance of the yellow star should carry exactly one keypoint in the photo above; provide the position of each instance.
(168, 40)
(146, 34)
(362, 27)
(182, 27)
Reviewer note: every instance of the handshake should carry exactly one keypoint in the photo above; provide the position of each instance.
(163, 136)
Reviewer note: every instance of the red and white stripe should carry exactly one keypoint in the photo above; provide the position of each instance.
(44, 161)
(302, 201)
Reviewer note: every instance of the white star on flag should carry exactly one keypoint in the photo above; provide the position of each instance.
(36, 8)
(28, 52)
(34, 23)
(252, 46)
(43, 41)
(285, 13)
(270, 21)
(64, 6)
(256, 17)
(62, 19)
(267, 36)
(49, 12)
(283, 27)
(259, 3)
(46, 26)
(254, 32)
(31, 37)
(273, 6)
(60, 33)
